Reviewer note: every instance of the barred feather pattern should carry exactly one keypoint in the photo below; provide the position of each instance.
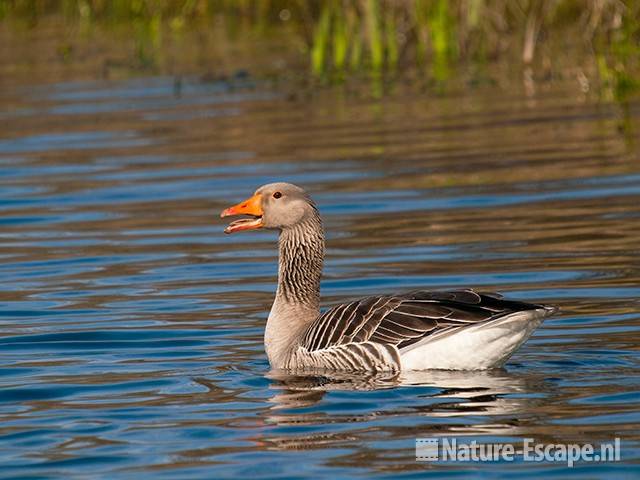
(360, 356)
(370, 334)
(301, 258)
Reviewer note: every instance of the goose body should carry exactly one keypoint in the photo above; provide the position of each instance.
(419, 330)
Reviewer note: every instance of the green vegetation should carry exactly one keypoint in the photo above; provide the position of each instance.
(600, 39)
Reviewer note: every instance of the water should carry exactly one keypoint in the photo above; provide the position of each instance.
(131, 327)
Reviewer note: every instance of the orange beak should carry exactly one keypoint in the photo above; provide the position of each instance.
(252, 206)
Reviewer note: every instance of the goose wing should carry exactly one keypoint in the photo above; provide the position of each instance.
(371, 331)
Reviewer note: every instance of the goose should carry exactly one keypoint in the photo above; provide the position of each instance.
(417, 330)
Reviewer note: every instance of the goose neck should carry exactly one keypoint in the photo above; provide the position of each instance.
(301, 258)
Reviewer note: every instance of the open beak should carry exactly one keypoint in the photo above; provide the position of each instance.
(252, 207)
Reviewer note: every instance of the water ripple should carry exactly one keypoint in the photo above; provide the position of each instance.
(131, 326)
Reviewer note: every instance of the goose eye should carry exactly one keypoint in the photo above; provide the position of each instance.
(277, 195)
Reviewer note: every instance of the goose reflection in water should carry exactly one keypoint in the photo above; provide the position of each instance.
(483, 392)
(441, 398)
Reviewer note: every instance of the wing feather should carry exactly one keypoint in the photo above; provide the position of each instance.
(371, 331)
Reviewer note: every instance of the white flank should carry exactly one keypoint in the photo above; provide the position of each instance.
(478, 347)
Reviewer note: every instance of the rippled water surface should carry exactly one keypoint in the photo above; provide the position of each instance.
(131, 326)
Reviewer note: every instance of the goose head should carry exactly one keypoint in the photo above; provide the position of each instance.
(274, 206)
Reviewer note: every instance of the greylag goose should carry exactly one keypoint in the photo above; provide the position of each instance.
(419, 330)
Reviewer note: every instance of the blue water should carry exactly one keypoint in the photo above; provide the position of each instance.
(131, 326)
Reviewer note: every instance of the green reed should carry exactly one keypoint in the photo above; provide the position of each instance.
(389, 37)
